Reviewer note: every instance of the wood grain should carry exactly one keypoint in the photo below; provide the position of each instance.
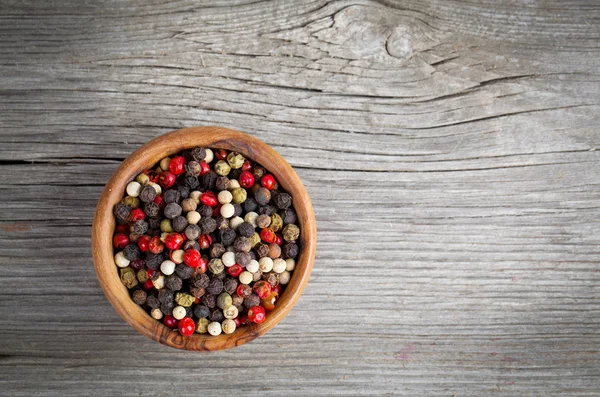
(450, 149)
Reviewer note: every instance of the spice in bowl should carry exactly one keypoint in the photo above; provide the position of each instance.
(206, 241)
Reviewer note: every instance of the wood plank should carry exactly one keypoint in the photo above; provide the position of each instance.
(450, 149)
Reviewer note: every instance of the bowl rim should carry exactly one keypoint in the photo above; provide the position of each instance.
(147, 156)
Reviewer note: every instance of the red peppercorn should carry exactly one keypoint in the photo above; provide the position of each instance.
(177, 165)
(122, 229)
(209, 199)
(256, 314)
(169, 321)
(148, 285)
(277, 289)
(137, 264)
(243, 320)
(278, 239)
(160, 201)
(204, 241)
(192, 258)
(269, 302)
(137, 214)
(237, 322)
(166, 179)
(234, 270)
(268, 181)
(120, 240)
(221, 154)
(202, 265)
(244, 290)
(186, 325)
(144, 243)
(246, 179)
(262, 289)
(152, 175)
(247, 166)
(268, 236)
(204, 168)
(173, 241)
(156, 246)
(217, 211)
(150, 272)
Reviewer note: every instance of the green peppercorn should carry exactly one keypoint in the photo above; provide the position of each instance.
(131, 202)
(128, 277)
(239, 195)
(224, 300)
(142, 276)
(222, 168)
(165, 226)
(215, 266)
(290, 232)
(254, 239)
(235, 160)
(202, 325)
(183, 299)
(276, 222)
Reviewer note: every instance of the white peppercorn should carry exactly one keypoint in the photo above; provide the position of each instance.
(164, 164)
(233, 184)
(284, 277)
(224, 197)
(246, 277)
(193, 217)
(265, 264)
(195, 195)
(279, 265)
(179, 312)
(231, 311)
(120, 260)
(133, 189)
(177, 256)
(209, 157)
(156, 187)
(228, 326)
(158, 280)
(227, 210)
(251, 218)
(214, 328)
(142, 179)
(167, 267)
(156, 313)
(228, 259)
(252, 267)
(188, 205)
(235, 222)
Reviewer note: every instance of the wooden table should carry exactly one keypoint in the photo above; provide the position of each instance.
(450, 149)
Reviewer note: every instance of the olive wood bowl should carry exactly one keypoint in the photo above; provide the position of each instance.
(147, 156)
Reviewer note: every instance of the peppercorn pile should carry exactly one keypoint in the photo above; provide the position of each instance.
(206, 241)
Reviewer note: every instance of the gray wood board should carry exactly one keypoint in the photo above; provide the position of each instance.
(449, 148)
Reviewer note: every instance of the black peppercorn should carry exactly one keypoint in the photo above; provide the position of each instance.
(152, 302)
(190, 244)
(222, 183)
(173, 282)
(172, 196)
(235, 173)
(139, 296)
(253, 256)
(217, 250)
(197, 292)
(208, 225)
(222, 223)
(204, 210)
(209, 301)
(266, 210)
(271, 278)
(153, 261)
(193, 168)
(245, 229)
(209, 180)
(131, 252)
(172, 210)
(183, 271)
(262, 196)
(237, 209)
(288, 216)
(179, 223)
(201, 280)
(191, 182)
(139, 227)
(242, 244)
(227, 236)
(261, 250)
(215, 287)
(184, 192)
(121, 211)
(221, 276)
(198, 154)
(259, 171)
(166, 295)
(217, 315)
(152, 209)
(188, 311)
(290, 250)
(230, 285)
(154, 223)
(251, 301)
(167, 307)
(192, 232)
(148, 194)
(201, 311)
(250, 204)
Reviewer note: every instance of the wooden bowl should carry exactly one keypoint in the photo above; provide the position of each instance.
(146, 157)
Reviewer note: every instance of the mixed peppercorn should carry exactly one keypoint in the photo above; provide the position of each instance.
(206, 241)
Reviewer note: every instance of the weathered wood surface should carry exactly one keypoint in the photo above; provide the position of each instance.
(449, 147)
